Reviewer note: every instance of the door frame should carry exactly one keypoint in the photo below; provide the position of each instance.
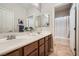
(75, 28)
(67, 17)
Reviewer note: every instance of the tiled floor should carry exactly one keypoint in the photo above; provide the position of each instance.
(61, 48)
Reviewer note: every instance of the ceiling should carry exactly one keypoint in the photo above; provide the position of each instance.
(45, 5)
(62, 10)
(65, 6)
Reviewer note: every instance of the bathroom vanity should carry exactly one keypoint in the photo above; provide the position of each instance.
(15, 39)
(39, 45)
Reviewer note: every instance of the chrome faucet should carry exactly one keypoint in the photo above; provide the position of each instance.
(10, 37)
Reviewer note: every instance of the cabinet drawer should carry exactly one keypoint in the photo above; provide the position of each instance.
(30, 48)
(41, 41)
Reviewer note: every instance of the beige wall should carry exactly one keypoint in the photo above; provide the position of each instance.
(61, 13)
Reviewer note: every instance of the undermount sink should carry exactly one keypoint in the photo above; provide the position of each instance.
(20, 37)
(35, 33)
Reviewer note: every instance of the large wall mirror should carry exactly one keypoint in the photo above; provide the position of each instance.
(6, 20)
(21, 18)
(42, 20)
(30, 23)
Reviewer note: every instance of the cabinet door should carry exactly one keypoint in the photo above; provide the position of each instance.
(46, 48)
(41, 50)
(17, 52)
(34, 53)
(41, 41)
(30, 48)
(50, 42)
(46, 38)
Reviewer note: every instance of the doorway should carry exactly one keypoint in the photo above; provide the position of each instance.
(64, 29)
(61, 22)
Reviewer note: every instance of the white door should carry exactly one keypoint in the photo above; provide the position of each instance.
(72, 26)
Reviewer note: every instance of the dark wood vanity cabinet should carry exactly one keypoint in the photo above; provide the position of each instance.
(31, 49)
(46, 46)
(17, 52)
(46, 49)
(41, 50)
(41, 47)
(34, 53)
(50, 42)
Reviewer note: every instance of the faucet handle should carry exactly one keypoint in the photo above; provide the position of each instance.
(13, 36)
(8, 37)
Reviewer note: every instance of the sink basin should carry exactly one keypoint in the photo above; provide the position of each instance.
(35, 34)
(3, 40)
(21, 37)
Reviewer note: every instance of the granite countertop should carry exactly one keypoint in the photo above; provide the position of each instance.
(20, 41)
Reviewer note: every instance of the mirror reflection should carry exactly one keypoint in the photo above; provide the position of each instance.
(21, 17)
(42, 20)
